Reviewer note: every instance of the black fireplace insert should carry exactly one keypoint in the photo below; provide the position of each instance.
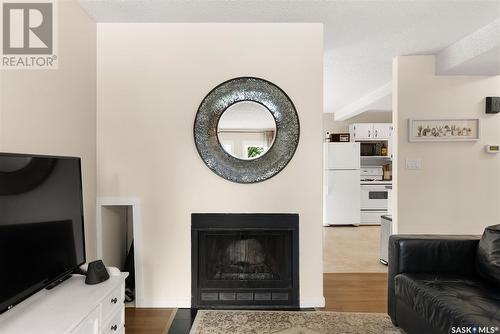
(245, 260)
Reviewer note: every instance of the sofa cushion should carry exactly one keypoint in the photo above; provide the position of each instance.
(446, 301)
(488, 255)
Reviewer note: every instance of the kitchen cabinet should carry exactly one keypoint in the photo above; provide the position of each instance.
(370, 131)
(361, 131)
(382, 130)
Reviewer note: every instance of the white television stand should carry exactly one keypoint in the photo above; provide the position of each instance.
(71, 307)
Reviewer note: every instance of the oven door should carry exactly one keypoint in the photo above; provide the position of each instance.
(374, 197)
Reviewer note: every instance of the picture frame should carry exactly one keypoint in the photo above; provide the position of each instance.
(443, 130)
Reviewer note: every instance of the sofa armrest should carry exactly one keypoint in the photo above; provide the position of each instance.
(435, 254)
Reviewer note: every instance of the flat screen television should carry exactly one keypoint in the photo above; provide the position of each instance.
(41, 223)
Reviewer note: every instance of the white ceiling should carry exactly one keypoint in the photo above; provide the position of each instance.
(487, 63)
(476, 54)
(361, 37)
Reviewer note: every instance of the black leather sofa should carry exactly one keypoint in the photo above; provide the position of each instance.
(445, 284)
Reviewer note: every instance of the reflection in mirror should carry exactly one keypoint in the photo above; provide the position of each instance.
(246, 130)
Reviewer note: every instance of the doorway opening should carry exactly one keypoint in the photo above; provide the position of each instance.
(353, 235)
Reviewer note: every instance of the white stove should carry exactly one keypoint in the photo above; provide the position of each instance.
(374, 195)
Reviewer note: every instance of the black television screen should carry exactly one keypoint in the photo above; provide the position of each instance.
(41, 223)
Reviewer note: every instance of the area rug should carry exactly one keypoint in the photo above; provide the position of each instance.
(290, 322)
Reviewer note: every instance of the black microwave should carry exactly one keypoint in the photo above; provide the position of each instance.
(371, 149)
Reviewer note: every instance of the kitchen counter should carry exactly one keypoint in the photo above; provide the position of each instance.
(387, 183)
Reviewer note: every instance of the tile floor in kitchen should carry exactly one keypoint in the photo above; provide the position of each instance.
(352, 249)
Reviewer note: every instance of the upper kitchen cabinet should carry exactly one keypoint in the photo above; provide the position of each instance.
(361, 131)
(382, 130)
(370, 131)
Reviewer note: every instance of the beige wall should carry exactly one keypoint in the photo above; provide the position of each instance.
(151, 79)
(54, 111)
(115, 230)
(333, 126)
(458, 189)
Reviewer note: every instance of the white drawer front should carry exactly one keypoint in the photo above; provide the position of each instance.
(89, 325)
(116, 324)
(113, 301)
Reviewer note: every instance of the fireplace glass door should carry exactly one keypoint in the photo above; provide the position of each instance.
(245, 259)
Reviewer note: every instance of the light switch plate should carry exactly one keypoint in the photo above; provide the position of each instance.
(413, 164)
(492, 148)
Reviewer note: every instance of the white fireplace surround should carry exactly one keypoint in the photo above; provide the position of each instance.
(135, 204)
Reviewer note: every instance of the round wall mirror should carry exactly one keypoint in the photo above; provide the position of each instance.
(246, 130)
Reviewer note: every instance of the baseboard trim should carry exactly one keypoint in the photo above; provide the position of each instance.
(312, 302)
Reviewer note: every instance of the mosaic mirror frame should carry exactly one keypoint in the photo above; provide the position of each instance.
(273, 99)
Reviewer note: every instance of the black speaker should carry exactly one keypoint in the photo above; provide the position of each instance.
(96, 273)
(493, 105)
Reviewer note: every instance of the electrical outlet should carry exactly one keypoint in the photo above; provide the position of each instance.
(413, 164)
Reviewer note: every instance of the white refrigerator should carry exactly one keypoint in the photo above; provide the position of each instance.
(341, 190)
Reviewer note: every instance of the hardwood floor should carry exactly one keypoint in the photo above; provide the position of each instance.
(363, 292)
(148, 320)
(344, 292)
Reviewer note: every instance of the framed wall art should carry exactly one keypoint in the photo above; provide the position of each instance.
(436, 130)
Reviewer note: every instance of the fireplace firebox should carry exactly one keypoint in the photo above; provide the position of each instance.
(245, 260)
